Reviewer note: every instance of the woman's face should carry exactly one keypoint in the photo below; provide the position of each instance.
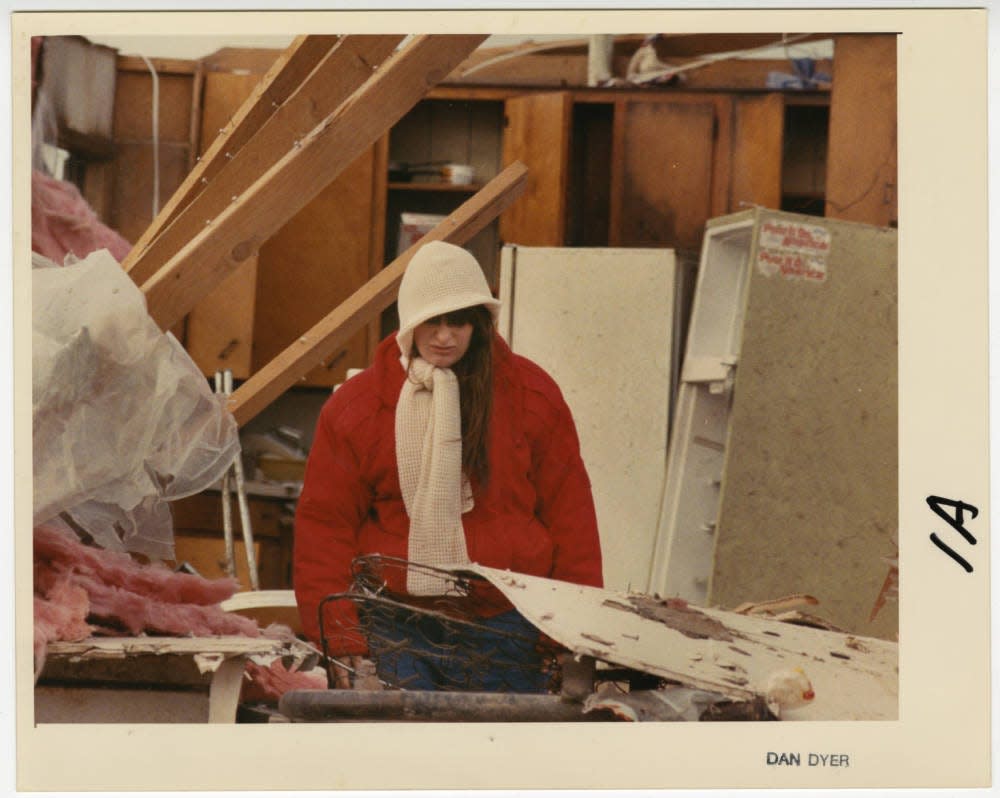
(441, 343)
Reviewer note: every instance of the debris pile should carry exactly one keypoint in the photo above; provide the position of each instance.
(81, 590)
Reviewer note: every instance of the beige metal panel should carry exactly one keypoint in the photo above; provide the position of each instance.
(853, 678)
(600, 321)
(809, 495)
(682, 560)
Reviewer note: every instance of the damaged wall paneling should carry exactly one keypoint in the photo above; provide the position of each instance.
(78, 81)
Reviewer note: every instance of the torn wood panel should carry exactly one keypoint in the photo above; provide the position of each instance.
(337, 75)
(119, 647)
(301, 174)
(854, 678)
(276, 86)
(373, 297)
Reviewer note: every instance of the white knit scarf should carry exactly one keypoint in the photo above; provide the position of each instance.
(429, 456)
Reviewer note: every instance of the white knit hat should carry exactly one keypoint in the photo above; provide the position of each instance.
(440, 278)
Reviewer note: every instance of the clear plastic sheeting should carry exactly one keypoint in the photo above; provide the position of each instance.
(668, 704)
(122, 418)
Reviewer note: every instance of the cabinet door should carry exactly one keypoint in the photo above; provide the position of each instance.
(662, 170)
(758, 134)
(537, 134)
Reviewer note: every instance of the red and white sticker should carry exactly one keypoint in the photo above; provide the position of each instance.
(794, 251)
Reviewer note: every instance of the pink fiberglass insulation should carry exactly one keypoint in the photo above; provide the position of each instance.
(62, 615)
(267, 684)
(122, 592)
(120, 570)
(143, 613)
(63, 222)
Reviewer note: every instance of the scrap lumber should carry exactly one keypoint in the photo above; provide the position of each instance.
(235, 165)
(280, 82)
(374, 296)
(284, 189)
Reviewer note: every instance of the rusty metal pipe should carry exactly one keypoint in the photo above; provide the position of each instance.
(330, 706)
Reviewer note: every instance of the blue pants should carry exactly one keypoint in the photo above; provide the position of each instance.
(420, 652)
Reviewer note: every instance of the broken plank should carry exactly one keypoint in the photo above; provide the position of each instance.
(275, 87)
(118, 647)
(301, 174)
(374, 296)
(336, 75)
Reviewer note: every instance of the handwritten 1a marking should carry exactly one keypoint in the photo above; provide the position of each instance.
(951, 552)
(956, 522)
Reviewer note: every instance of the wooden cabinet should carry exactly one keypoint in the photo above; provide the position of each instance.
(606, 168)
(537, 132)
(199, 539)
(662, 172)
(642, 168)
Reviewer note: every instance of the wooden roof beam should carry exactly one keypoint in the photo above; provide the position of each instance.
(277, 85)
(227, 240)
(333, 331)
(338, 74)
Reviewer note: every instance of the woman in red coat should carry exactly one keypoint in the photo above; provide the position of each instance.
(449, 449)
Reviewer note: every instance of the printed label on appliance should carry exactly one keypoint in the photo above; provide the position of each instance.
(793, 250)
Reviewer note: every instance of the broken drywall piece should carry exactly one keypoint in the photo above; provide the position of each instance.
(852, 678)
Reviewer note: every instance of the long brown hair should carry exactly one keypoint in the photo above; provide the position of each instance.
(475, 391)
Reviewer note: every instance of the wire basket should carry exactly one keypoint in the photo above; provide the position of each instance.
(433, 642)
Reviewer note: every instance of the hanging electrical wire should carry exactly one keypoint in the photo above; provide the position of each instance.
(673, 70)
(156, 135)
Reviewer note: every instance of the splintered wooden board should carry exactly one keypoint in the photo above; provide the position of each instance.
(854, 678)
(601, 322)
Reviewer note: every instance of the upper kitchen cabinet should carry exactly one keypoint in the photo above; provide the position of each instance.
(664, 171)
(537, 133)
(645, 169)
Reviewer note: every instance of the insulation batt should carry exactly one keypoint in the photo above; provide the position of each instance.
(120, 570)
(74, 582)
(63, 222)
(268, 683)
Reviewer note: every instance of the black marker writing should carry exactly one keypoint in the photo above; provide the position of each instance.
(951, 552)
(956, 522)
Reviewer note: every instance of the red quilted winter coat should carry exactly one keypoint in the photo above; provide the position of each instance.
(535, 516)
